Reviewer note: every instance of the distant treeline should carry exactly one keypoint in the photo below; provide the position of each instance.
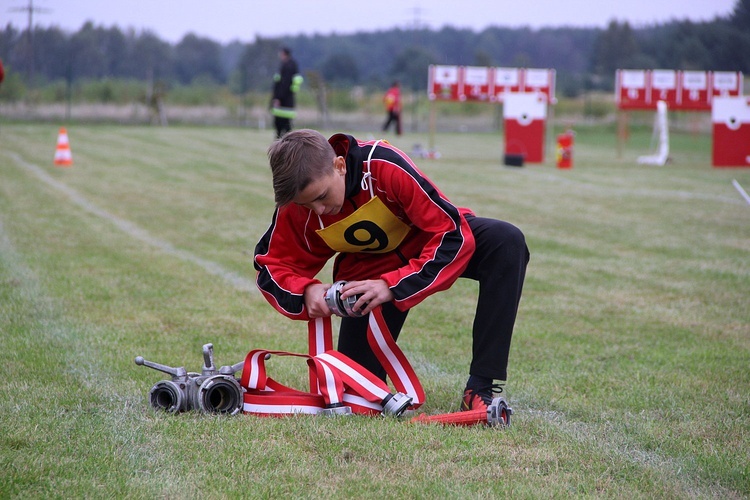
(585, 58)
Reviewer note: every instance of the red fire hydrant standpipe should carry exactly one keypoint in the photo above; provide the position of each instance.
(497, 414)
(564, 150)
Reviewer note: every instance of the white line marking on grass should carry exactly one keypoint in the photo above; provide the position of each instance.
(648, 192)
(611, 440)
(45, 328)
(742, 191)
(128, 227)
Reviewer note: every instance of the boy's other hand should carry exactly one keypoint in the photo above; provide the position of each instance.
(374, 293)
(315, 301)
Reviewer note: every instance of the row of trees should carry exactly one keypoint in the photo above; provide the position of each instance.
(584, 58)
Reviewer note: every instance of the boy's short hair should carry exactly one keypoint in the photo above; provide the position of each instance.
(297, 159)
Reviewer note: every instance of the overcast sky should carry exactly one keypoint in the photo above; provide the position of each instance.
(243, 20)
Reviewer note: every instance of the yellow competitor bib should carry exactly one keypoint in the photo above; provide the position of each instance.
(371, 228)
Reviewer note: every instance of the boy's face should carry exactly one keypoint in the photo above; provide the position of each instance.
(325, 195)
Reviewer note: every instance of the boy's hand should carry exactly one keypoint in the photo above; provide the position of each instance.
(315, 301)
(374, 293)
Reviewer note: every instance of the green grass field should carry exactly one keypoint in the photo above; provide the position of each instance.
(629, 371)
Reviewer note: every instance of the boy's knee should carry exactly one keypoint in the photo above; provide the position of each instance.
(515, 242)
(501, 242)
(516, 236)
(508, 236)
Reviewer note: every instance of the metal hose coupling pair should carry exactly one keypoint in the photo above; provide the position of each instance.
(394, 405)
(336, 409)
(341, 307)
(211, 391)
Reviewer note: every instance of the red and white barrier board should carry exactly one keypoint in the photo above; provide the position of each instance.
(632, 87)
(731, 131)
(541, 81)
(694, 90)
(525, 117)
(726, 83)
(681, 90)
(507, 80)
(444, 83)
(664, 86)
(476, 83)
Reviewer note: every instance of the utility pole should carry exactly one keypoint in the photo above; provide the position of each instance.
(416, 26)
(417, 22)
(30, 9)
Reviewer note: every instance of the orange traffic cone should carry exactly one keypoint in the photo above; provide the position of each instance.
(63, 156)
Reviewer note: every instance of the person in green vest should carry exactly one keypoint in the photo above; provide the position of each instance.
(286, 84)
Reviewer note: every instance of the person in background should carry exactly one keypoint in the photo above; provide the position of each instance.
(392, 101)
(286, 84)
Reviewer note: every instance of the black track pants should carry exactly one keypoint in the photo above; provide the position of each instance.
(283, 125)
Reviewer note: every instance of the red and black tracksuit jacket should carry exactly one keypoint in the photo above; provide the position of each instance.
(431, 257)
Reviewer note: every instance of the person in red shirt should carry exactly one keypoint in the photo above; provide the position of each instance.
(392, 101)
(396, 239)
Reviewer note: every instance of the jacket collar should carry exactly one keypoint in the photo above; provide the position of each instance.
(347, 146)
